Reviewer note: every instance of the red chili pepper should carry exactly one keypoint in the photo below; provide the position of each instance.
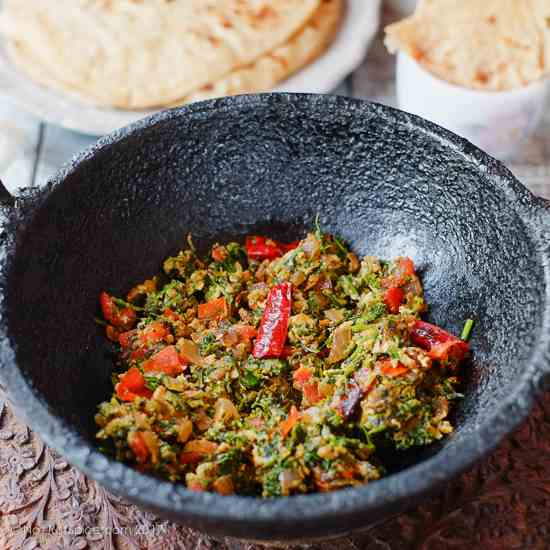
(439, 344)
(289, 246)
(261, 248)
(393, 298)
(287, 352)
(348, 402)
(274, 325)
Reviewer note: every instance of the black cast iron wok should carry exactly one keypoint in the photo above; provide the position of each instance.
(389, 183)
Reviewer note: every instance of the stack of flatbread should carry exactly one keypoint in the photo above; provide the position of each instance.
(483, 44)
(137, 54)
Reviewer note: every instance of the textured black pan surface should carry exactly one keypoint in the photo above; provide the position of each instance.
(389, 183)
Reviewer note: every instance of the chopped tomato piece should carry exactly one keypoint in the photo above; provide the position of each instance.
(123, 319)
(138, 446)
(237, 334)
(224, 485)
(138, 354)
(125, 338)
(311, 393)
(126, 318)
(191, 457)
(219, 253)
(148, 286)
(302, 375)
(108, 307)
(132, 385)
(203, 446)
(195, 486)
(133, 379)
(172, 315)
(195, 450)
(245, 332)
(393, 298)
(406, 266)
(404, 269)
(262, 248)
(153, 333)
(323, 486)
(388, 369)
(290, 422)
(112, 333)
(166, 360)
(215, 309)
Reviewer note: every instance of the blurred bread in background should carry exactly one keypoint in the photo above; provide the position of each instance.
(480, 44)
(138, 54)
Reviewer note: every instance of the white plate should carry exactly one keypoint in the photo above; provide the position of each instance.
(345, 55)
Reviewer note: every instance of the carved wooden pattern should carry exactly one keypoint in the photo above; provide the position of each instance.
(502, 503)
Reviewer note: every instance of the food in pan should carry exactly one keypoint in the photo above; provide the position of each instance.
(157, 53)
(274, 369)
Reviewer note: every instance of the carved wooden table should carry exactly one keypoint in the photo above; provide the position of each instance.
(502, 503)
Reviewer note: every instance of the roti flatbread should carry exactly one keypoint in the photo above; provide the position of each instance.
(138, 54)
(275, 66)
(488, 44)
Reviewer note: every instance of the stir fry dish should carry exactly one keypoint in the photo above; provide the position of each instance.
(273, 369)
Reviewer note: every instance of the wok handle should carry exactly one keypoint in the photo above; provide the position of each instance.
(542, 379)
(7, 205)
(6, 198)
(544, 214)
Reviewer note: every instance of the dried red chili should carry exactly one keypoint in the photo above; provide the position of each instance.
(274, 325)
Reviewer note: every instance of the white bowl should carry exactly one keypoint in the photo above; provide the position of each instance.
(403, 7)
(497, 122)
